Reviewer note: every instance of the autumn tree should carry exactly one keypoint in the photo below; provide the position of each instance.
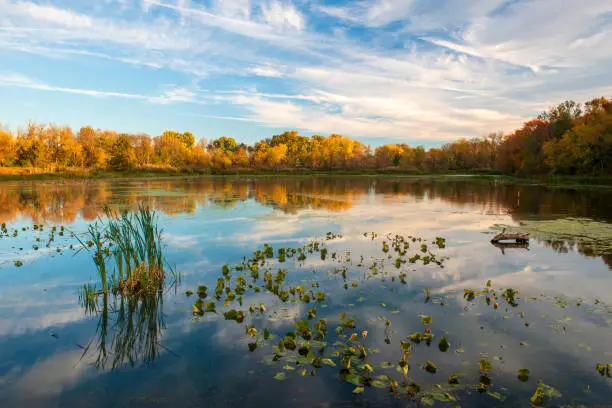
(144, 154)
(276, 156)
(566, 139)
(7, 148)
(200, 158)
(29, 147)
(241, 158)
(298, 147)
(187, 138)
(94, 155)
(170, 150)
(561, 118)
(388, 155)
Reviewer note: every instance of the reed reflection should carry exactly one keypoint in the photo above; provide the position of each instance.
(129, 330)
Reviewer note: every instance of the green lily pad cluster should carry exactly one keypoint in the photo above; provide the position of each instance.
(258, 273)
(543, 393)
(492, 297)
(40, 240)
(320, 341)
(605, 370)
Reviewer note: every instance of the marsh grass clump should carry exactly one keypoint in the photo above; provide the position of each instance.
(127, 251)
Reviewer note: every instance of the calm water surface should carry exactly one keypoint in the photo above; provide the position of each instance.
(53, 354)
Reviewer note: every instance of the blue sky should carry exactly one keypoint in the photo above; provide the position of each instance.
(414, 71)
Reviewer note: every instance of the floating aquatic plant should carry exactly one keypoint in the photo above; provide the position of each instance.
(430, 367)
(523, 375)
(237, 315)
(311, 345)
(443, 345)
(604, 370)
(542, 392)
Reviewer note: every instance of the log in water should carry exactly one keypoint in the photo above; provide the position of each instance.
(518, 238)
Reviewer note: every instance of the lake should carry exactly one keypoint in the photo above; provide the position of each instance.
(450, 318)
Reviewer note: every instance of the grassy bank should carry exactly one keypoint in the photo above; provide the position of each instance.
(8, 174)
(16, 174)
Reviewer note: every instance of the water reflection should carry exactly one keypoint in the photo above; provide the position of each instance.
(64, 202)
(208, 363)
(129, 330)
(506, 246)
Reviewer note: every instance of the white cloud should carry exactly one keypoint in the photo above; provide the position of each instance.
(423, 71)
(375, 14)
(265, 71)
(65, 18)
(175, 94)
(282, 15)
(386, 11)
(234, 8)
(67, 26)
(21, 81)
(539, 42)
(172, 94)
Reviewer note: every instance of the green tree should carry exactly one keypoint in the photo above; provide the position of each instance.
(227, 144)
(121, 156)
(188, 139)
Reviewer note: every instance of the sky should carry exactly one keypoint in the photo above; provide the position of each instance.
(408, 71)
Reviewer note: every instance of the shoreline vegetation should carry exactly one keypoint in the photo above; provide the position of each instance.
(172, 173)
(569, 144)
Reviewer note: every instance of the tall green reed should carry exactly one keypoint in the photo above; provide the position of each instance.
(127, 251)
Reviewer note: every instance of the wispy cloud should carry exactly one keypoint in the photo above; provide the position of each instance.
(21, 81)
(391, 68)
(175, 94)
(282, 15)
(171, 94)
(370, 13)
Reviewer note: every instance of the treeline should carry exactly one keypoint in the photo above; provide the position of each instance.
(568, 139)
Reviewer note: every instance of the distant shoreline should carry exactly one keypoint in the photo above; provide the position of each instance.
(38, 175)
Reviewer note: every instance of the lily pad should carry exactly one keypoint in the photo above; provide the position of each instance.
(523, 375)
(426, 320)
(443, 345)
(430, 367)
